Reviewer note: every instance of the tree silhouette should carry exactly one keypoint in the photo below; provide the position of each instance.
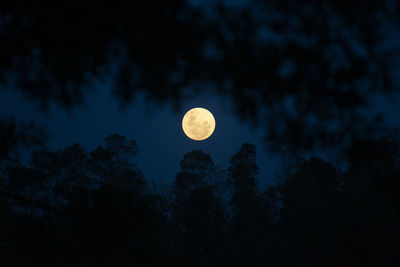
(371, 213)
(74, 207)
(114, 164)
(310, 214)
(250, 214)
(330, 217)
(66, 207)
(15, 136)
(198, 215)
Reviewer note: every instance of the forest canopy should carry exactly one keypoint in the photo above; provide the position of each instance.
(305, 72)
(74, 207)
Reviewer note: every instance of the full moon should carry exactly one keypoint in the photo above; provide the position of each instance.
(198, 124)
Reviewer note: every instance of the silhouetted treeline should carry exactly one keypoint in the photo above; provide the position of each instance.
(300, 70)
(78, 208)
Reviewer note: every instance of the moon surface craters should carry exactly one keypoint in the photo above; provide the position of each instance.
(198, 124)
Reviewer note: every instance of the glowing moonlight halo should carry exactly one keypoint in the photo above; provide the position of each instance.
(198, 124)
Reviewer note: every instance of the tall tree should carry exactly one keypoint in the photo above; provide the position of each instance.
(114, 165)
(198, 215)
(310, 213)
(250, 215)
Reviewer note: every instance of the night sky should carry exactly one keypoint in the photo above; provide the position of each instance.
(302, 169)
(157, 128)
(158, 131)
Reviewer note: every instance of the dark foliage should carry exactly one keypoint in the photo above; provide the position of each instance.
(74, 208)
(301, 71)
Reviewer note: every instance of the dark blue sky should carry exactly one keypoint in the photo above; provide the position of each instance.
(156, 127)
